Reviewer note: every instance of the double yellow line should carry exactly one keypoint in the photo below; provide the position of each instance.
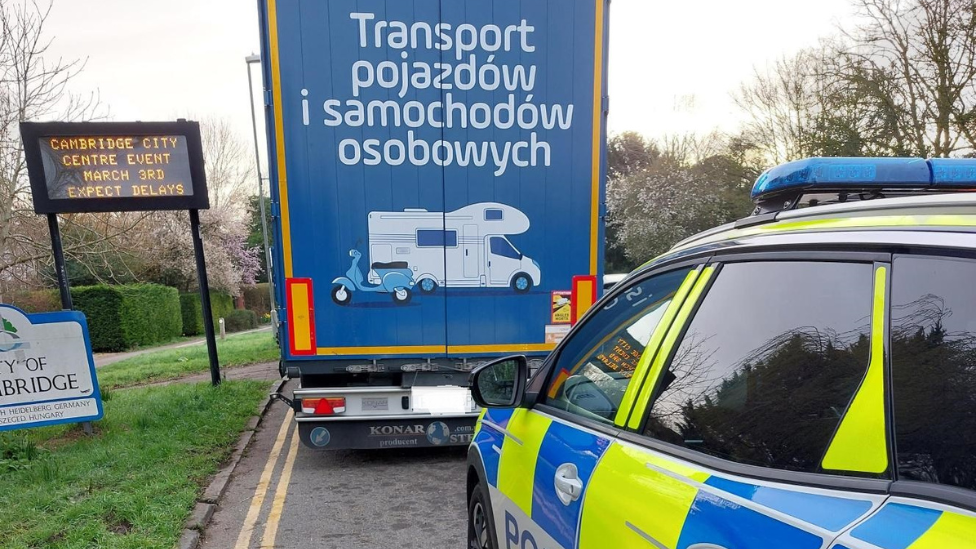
(264, 483)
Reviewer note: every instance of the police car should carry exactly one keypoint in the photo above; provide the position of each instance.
(804, 378)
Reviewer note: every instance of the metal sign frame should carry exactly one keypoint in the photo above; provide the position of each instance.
(32, 132)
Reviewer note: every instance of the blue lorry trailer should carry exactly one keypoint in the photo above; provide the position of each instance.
(438, 171)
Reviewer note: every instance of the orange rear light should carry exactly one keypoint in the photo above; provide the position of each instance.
(583, 297)
(301, 316)
(324, 406)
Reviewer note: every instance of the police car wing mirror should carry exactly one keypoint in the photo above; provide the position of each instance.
(501, 383)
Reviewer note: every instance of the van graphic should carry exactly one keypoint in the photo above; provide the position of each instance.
(466, 248)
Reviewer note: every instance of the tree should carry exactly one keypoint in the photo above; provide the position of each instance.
(627, 153)
(816, 103)
(255, 230)
(167, 249)
(32, 87)
(900, 83)
(229, 165)
(685, 185)
(918, 59)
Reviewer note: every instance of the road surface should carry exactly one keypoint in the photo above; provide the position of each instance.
(286, 495)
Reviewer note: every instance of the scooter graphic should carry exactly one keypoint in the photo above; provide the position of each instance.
(395, 279)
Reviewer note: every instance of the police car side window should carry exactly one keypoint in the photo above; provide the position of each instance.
(769, 364)
(596, 363)
(933, 352)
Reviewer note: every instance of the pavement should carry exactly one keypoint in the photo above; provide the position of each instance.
(104, 359)
(283, 494)
(264, 371)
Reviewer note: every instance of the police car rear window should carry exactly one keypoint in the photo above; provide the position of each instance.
(769, 364)
(933, 351)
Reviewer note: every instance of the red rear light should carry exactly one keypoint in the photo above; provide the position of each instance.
(324, 406)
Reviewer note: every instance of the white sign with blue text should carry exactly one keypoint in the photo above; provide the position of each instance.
(47, 373)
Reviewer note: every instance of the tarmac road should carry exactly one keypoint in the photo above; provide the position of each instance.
(286, 495)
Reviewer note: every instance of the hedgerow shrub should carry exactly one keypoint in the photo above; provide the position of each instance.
(257, 298)
(151, 313)
(122, 317)
(102, 306)
(240, 320)
(192, 312)
(36, 301)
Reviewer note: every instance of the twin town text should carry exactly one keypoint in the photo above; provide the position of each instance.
(28, 378)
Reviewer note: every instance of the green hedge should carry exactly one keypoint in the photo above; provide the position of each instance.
(192, 312)
(37, 301)
(122, 317)
(257, 298)
(240, 320)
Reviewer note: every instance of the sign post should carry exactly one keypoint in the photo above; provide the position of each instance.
(88, 167)
(208, 324)
(52, 224)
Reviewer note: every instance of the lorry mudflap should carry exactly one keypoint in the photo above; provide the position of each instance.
(424, 432)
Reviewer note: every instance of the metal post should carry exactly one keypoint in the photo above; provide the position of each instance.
(257, 161)
(52, 225)
(208, 325)
(66, 303)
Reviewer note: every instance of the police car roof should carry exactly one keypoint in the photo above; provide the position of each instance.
(863, 174)
(945, 204)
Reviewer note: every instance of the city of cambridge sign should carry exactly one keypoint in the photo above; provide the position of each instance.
(47, 373)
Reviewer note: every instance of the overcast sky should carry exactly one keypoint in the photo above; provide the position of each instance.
(673, 64)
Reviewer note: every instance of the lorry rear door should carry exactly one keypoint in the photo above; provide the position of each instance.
(455, 121)
(342, 142)
(525, 120)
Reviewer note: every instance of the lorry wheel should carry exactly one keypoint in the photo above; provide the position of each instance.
(480, 529)
(341, 295)
(522, 283)
(428, 286)
(401, 296)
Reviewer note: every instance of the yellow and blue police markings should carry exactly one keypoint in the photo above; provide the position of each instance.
(633, 497)
(907, 524)
(521, 451)
(489, 439)
(639, 498)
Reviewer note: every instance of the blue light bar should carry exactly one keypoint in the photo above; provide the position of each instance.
(854, 174)
(955, 172)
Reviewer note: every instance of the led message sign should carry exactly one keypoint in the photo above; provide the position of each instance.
(109, 166)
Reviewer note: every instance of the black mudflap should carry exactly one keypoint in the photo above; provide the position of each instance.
(406, 433)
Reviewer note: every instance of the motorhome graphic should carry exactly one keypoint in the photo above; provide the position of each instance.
(416, 249)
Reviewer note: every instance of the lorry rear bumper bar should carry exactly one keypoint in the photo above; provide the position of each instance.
(303, 418)
(352, 433)
(391, 402)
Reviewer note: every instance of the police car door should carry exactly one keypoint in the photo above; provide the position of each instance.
(764, 425)
(550, 450)
(933, 385)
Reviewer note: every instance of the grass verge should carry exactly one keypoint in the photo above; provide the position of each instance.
(133, 484)
(173, 363)
(170, 341)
